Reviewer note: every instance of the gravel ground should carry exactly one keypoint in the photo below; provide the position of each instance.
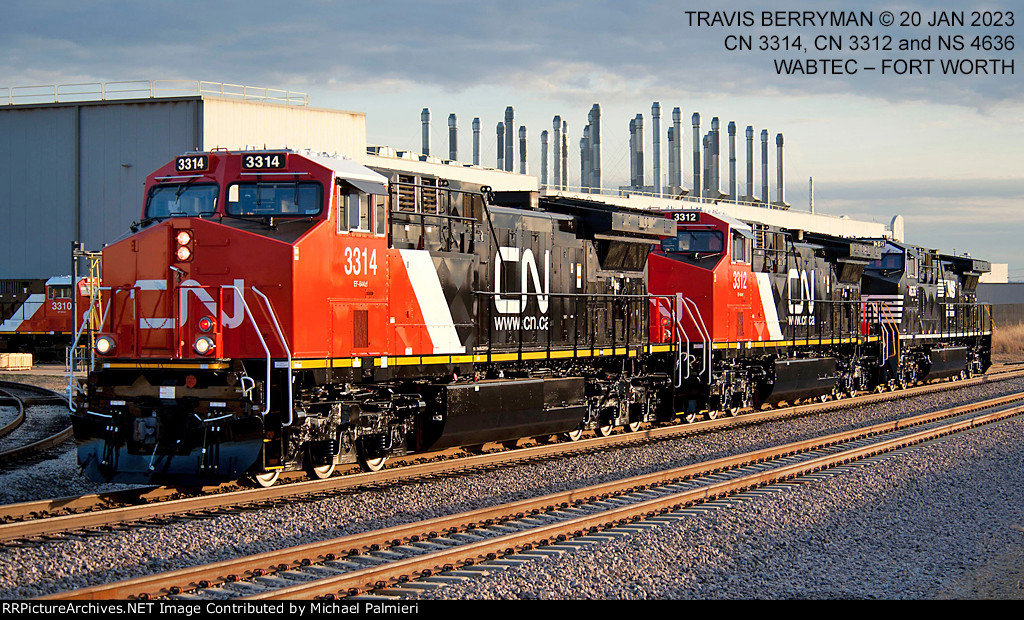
(941, 522)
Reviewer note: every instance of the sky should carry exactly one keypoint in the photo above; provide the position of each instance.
(945, 151)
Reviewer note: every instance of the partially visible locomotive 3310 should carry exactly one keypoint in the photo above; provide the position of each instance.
(274, 311)
(35, 315)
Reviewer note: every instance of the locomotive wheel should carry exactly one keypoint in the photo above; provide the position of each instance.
(372, 465)
(732, 411)
(604, 431)
(711, 414)
(633, 426)
(574, 434)
(320, 472)
(690, 417)
(266, 479)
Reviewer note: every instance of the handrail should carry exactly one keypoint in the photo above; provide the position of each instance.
(677, 324)
(288, 352)
(705, 336)
(127, 89)
(74, 345)
(245, 305)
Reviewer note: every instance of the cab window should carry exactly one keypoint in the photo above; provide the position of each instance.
(275, 199)
(360, 212)
(740, 248)
(59, 291)
(694, 242)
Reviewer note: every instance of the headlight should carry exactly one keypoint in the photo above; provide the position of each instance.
(104, 345)
(203, 345)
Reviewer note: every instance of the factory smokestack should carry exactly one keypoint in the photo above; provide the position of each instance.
(544, 157)
(732, 161)
(706, 144)
(639, 151)
(522, 149)
(556, 151)
(677, 174)
(500, 130)
(715, 180)
(509, 144)
(698, 189)
(764, 167)
(782, 197)
(476, 141)
(750, 164)
(565, 154)
(425, 122)
(453, 138)
(672, 159)
(656, 129)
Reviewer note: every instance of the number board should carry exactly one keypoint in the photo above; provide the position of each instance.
(691, 217)
(265, 161)
(191, 163)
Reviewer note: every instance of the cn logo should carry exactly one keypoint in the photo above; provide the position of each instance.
(529, 273)
(797, 296)
(191, 287)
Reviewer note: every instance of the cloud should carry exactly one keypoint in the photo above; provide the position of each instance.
(456, 45)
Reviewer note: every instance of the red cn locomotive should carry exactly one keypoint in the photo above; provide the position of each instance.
(769, 314)
(275, 311)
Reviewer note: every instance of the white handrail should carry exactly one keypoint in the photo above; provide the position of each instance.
(705, 336)
(256, 327)
(287, 350)
(74, 345)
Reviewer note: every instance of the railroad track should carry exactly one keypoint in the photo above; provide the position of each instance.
(37, 522)
(22, 396)
(453, 546)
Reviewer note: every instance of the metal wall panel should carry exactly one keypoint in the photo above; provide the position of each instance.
(37, 193)
(120, 145)
(233, 124)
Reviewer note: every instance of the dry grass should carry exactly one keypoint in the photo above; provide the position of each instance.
(1008, 340)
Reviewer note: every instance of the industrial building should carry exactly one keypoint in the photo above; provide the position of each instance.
(77, 157)
(74, 170)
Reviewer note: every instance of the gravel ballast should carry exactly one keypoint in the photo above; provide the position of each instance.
(942, 521)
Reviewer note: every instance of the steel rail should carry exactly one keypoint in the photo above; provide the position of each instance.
(18, 419)
(48, 397)
(256, 565)
(395, 573)
(33, 527)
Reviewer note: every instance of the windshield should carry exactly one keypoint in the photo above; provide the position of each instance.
(892, 261)
(276, 199)
(694, 242)
(182, 200)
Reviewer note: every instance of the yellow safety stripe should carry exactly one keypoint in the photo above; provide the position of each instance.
(167, 365)
(483, 358)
